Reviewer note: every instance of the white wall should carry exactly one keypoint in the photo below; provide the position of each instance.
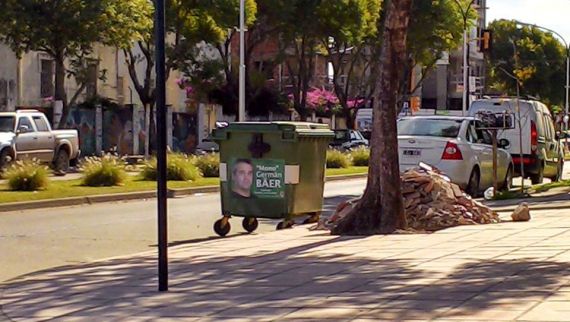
(8, 78)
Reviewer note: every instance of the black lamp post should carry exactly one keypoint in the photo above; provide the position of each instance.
(159, 27)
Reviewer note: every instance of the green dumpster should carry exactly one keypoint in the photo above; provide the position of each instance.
(272, 170)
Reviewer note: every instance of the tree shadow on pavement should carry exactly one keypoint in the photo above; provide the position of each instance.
(313, 276)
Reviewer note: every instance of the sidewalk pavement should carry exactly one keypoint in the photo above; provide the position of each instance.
(500, 272)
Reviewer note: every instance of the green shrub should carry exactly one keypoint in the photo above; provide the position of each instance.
(107, 171)
(179, 168)
(209, 165)
(337, 159)
(27, 176)
(360, 157)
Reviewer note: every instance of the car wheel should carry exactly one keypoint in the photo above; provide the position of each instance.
(5, 160)
(538, 178)
(508, 182)
(61, 162)
(473, 184)
(559, 171)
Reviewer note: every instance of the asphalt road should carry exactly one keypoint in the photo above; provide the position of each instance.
(45, 238)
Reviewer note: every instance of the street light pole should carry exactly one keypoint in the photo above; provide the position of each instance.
(567, 86)
(465, 73)
(241, 110)
(160, 47)
(464, 14)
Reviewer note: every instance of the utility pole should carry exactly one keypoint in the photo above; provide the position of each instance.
(241, 110)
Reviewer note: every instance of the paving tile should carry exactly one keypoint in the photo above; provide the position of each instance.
(384, 314)
(263, 312)
(548, 311)
(326, 313)
(438, 295)
(559, 297)
(419, 304)
(513, 305)
(482, 314)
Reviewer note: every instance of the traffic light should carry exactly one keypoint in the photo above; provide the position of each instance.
(486, 43)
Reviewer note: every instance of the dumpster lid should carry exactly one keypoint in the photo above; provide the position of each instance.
(301, 128)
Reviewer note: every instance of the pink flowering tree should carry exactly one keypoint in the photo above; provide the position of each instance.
(322, 102)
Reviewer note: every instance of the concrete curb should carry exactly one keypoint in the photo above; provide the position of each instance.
(561, 205)
(172, 193)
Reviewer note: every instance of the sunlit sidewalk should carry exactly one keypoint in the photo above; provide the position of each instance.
(501, 272)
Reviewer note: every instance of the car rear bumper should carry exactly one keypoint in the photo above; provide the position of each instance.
(530, 164)
(455, 170)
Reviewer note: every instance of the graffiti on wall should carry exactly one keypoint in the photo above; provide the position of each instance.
(83, 120)
(184, 132)
(118, 130)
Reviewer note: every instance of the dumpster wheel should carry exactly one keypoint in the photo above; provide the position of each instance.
(313, 218)
(286, 224)
(222, 226)
(250, 224)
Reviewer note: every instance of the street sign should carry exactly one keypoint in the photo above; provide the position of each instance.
(472, 84)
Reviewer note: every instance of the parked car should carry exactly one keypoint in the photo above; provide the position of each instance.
(542, 152)
(458, 147)
(27, 134)
(346, 140)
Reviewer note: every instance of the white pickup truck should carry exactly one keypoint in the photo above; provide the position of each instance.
(27, 134)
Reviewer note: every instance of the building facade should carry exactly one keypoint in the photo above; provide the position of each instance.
(443, 87)
(8, 79)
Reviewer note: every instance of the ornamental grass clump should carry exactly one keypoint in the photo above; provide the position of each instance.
(360, 156)
(179, 168)
(336, 159)
(27, 176)
(209, 165)
(106, 171)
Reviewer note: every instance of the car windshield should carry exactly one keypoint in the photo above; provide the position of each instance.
(7, 123)
(429, 127)
(340, 135)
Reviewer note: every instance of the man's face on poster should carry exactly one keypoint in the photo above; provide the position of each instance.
(242, 178)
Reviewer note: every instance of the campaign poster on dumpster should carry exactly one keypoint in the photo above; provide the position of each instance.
(258, 178)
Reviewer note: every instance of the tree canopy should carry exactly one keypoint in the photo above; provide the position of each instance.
(69, 29)
(534, 56)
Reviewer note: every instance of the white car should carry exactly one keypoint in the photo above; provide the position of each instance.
(456, 146)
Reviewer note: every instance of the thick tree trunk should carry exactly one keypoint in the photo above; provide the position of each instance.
(381, 208)
(60, 94)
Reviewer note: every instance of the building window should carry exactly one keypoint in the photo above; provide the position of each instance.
(47, 78)
(92, 73)
(265, 68)
(3, 94)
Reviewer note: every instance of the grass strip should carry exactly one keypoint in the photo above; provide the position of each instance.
(73, 188)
